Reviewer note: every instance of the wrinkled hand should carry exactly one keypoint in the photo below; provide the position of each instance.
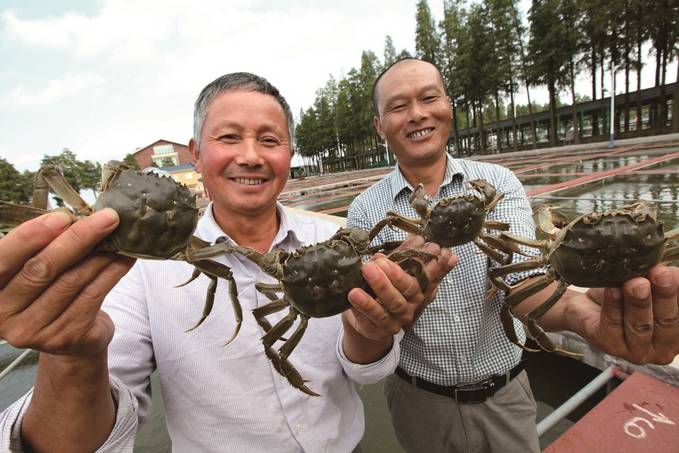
(398, 300)
(638, 322)
(52, 287)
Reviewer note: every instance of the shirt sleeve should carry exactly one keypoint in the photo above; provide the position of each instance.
(371, 372)
(121, 439)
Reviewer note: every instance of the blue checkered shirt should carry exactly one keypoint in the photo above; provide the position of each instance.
(459, 337)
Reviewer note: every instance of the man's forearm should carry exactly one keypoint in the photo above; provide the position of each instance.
(72, 406)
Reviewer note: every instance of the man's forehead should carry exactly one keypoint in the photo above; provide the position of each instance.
(425, 72)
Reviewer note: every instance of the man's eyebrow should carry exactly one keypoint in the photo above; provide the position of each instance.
(396, 97)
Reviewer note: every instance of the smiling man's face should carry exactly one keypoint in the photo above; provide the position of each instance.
(244, 155)
(414, 112)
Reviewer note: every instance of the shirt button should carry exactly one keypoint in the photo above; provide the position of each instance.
(456, 318)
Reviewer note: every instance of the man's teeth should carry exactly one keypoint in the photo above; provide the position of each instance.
(249, 181)
(421, 133)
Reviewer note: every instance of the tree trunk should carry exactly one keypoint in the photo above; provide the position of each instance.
(512, 108)
(498, 133)
(552, 112)
(639, 119)
(595, 116)
(456, 131)
(576, 128)
(675, 104)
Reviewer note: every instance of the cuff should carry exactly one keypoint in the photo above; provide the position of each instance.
(370, 373)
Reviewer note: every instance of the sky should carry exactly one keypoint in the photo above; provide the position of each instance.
(106, 77)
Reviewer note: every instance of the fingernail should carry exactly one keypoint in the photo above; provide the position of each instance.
(104, 218)
(641, 292)
(57, 221)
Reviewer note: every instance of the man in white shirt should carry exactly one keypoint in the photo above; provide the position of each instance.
(93, 385)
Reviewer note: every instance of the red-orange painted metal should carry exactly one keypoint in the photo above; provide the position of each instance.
(640, 416)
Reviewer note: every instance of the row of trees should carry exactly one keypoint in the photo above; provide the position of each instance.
(488, 53)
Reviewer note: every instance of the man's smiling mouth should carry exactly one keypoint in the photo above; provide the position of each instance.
(421, 133)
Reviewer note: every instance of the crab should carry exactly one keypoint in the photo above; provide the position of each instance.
(596, 250)
(456, 220)
(314, 281)
(157, 220)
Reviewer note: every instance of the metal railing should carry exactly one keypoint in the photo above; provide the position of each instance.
(15, 362)
(578, 398)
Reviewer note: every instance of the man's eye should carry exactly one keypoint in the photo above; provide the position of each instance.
(430, 98)
(228, 137)
(398, 107)
(270, 141)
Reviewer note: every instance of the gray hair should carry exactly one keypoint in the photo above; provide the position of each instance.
(232, 82)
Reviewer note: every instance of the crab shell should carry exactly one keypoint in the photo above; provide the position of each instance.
(319, 290)
(455, 221)
(606, 249)
(157, 214)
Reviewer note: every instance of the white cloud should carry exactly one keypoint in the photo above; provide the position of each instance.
(56, 90)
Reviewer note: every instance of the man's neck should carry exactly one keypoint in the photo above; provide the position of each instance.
(257, 232)
(429, 174)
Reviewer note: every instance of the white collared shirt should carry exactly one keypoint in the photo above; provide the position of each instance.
(217, 398)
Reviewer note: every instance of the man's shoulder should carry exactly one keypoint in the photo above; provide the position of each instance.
(311, 227)
(484, 170)
(378, 191)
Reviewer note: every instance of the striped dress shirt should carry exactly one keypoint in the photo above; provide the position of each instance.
(459, 337)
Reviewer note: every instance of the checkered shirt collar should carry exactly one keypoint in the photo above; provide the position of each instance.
(398, 181)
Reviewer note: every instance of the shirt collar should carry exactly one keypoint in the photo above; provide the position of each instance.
(398, 181)
(209, 230)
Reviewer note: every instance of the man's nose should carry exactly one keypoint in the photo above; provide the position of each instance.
(249, 154)
(417, 111)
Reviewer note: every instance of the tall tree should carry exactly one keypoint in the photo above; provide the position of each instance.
(390, 55)
(546, 53)
(14, 186)
(427, 40)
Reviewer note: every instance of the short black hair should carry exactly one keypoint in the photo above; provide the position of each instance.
(379, 77)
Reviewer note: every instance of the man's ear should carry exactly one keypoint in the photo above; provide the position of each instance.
(378, 126)
(195, 154)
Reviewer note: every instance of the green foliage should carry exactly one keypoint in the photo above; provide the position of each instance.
(427, 40)
(486, 50)
(131, 162)
(14, 186)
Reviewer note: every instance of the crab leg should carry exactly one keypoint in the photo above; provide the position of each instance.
(288, 370)
(503, 246)
(492, 252)
(537, 312)
(542, 245)
(508, 326)
(546, 344)
(280, 328)
(495, 225)
(50, 177)
(394, 219)
(260, 312)
(526, 265)
(516, 296)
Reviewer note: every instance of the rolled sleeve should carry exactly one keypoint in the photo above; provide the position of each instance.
(371, 372)
(121, 439)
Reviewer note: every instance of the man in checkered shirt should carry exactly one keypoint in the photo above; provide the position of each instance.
(460, 386)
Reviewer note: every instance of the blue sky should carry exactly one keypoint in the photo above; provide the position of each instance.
(104, 77)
